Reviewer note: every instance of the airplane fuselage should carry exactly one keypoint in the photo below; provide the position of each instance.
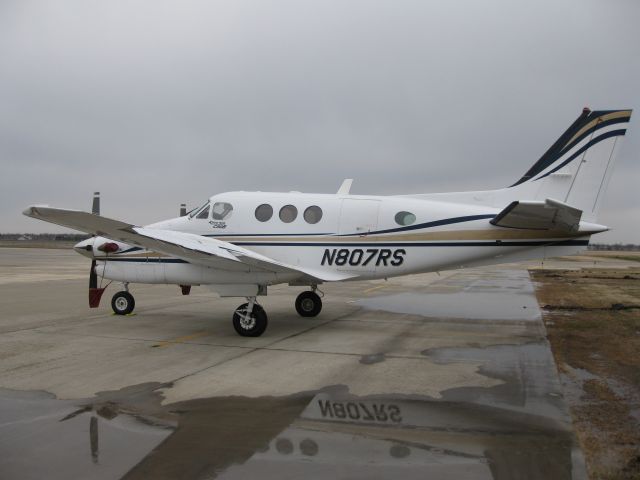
(367, 237)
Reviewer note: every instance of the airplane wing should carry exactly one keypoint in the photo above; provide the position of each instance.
(537, 215)
(186, 246)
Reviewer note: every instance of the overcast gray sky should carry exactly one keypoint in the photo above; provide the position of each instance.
(155, 103)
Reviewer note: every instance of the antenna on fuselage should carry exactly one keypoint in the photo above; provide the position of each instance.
(95, 207)
(345, 187)
(183, 209)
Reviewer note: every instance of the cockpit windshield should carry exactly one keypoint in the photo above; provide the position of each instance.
(202, 212)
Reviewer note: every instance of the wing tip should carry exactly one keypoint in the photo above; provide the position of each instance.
(32, 211)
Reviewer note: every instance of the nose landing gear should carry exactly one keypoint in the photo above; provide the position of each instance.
(123, 303)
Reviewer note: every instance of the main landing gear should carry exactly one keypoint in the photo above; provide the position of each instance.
(123, 302)
(308, 304)
(250, 319)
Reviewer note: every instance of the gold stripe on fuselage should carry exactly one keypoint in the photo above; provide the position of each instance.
(414, 237)
(451, 235)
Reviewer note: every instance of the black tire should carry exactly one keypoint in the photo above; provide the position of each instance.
(253, 328)
(123, 303)
(308, 304)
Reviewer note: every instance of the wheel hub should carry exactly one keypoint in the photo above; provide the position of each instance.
(307, 304)
(121, 303)
(247, 321)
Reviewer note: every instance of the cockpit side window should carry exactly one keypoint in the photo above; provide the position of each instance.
(203, 213)
(196, 211)
(222, 210)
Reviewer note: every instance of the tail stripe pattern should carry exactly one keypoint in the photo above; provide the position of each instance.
(586, 125)
(604, 136)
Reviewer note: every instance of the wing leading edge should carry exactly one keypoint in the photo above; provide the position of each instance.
(186, 246)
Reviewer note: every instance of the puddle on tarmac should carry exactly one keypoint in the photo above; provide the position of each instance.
(468, 305)
(326, 434)
(507, 295)
(42, 437)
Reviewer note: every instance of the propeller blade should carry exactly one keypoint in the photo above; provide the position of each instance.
(95, 293)
(95, 207)
(93, 277)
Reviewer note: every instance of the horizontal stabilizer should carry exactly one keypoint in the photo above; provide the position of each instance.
(537, 215)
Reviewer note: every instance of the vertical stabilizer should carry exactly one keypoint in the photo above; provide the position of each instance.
(577, 167)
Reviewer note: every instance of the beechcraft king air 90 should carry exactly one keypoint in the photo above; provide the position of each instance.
(239, 243)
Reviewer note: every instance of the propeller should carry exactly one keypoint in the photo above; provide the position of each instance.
(95, 293)
(93, 276)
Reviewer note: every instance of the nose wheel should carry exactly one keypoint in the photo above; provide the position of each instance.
(250, 319)
(123, 303)
(308, 304)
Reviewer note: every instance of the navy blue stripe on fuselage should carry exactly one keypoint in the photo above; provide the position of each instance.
(143, 260)
(604, 136)
(490, 243)
(267, 234)
(129, 250)
(436, 223)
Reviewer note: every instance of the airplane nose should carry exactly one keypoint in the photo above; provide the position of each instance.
(85, 247)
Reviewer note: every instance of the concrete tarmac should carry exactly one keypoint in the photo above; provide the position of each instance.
(430, 376)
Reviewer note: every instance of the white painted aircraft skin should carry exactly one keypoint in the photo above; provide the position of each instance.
(552, 210)
(439, 247)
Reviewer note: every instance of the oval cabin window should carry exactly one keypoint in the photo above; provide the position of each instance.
(405, 218)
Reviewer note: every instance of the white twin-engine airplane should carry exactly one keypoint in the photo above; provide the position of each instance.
(239, 243)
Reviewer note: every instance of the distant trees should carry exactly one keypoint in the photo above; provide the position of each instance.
(615, 247)
(35, 237)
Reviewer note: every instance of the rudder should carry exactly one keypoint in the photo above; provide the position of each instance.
(577, 167)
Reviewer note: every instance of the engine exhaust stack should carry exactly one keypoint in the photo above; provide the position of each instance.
(95, 208)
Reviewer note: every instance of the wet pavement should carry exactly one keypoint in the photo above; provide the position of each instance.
(427, 376)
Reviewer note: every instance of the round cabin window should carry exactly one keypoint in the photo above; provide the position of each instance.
(405, 218)
(264, 212)
(288, 213)
(313, 214)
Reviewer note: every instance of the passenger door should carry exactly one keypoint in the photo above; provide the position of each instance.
(357, 217)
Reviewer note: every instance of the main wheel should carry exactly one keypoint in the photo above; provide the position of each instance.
(123, 303)
(250, 324)
(308, 304)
